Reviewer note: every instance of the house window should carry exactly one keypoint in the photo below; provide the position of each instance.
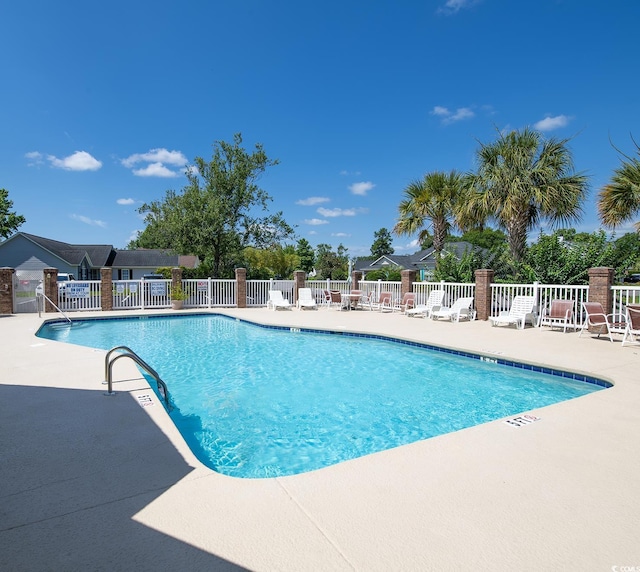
(125, 274)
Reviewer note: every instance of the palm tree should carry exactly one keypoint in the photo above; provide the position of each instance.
(523, 179)
(619, 201)
(435, 197)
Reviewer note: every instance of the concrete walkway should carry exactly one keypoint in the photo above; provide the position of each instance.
(90, 482)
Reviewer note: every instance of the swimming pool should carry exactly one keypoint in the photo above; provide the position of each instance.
(254, 401)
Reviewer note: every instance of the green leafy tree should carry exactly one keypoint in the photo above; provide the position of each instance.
(304, 250)
(619, 201)
(485, 238)
(453, 269)
(381, 243)
(217, 214)
(522, 180)
(330, 264)
(9, 221)
(385, 274)
(554, 260)
(434, 198)
(276, 262)
(626, 254)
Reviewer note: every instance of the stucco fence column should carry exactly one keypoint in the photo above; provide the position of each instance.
(6, 290)
(241, 287)
(484, 278)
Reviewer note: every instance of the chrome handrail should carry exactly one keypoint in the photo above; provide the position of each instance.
(128, 352)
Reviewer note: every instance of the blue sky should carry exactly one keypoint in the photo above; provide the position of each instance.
(103, 106)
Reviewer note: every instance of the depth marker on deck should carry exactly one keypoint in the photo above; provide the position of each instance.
(521, 420)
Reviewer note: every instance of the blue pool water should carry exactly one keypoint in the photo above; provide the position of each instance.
(257, 402)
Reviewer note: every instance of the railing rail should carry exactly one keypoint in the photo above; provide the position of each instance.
(129, 353)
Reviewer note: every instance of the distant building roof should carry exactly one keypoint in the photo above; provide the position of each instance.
(421, 260)
(104, 255)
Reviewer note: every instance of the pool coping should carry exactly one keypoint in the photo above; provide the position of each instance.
(558, 493)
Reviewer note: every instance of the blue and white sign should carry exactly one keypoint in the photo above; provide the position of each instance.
(78, 290)
(158, 288)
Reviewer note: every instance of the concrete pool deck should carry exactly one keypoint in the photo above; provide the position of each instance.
(90, 482)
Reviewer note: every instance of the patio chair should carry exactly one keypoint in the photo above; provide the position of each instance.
(384, 303)
(522, 308)
(277, 300)
(596, 319)
(461, 308)
(559, 314)
(407, 302)
(434, 302)
(306, 299)
(633, 325)
(332, 298)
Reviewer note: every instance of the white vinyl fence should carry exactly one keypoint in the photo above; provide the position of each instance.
(85, 295)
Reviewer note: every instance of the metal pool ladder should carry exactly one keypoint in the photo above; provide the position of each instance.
(128, 352)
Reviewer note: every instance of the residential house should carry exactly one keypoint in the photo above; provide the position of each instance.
(423, 261)
(29, 254)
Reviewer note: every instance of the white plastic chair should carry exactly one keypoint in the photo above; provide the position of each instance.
(434, 302)
(277, 300)
(522, 308)
(461, 308)
(306, 299)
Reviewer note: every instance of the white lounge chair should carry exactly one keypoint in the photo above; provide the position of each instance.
(461, 308)
(306, 299)
(522, 308)
(277, 300)
(434, 302)
(633, 326)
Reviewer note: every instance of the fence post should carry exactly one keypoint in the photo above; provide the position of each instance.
(6, 290)
(106, 289)
(407, 278)
(600, 282)
(484, 278)
(241, 287)
(51, 289)
(298, 282)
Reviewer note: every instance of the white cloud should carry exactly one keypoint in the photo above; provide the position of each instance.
(361, 188)
(157, 160)
(449, 117)
(344, 172)
(89, 221)
(315, 221)
(336, 212)
(340, 234)
(442, 111)
(551, 123)
(125, 201)
(309, 202)
(79, 161)
(454, 6)
(155, 170)
(409, 247)
(175, 158)
(35, 159)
